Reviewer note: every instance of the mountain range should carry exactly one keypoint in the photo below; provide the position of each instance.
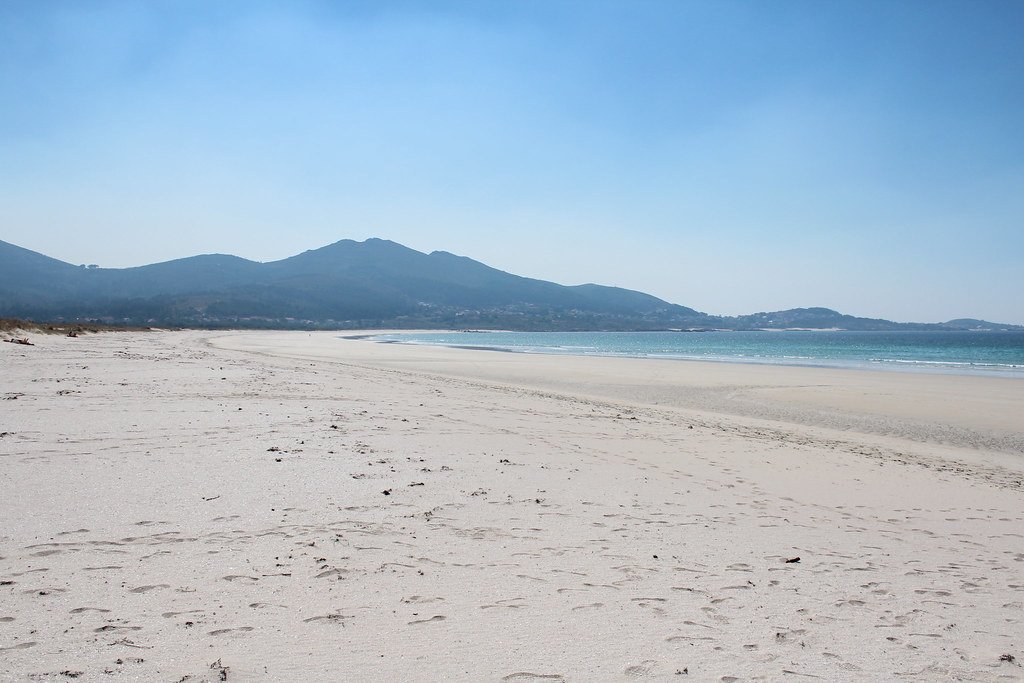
(371, 284)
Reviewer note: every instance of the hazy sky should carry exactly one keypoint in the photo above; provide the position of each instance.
(729, 156)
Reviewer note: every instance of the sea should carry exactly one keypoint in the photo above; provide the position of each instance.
(999, 353)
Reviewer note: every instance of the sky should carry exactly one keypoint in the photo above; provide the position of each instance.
(729, 156)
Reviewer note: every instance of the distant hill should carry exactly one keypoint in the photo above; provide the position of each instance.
(975, 325)
(826, 318)
(810, 318)
(345, 284)
(361, 284)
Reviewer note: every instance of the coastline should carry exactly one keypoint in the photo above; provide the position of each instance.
(291, 506)
(971, 411)
(946, 366)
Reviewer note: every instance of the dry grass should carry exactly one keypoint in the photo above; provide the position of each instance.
(8, 325)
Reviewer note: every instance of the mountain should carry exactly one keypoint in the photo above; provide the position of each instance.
(975, 325)
(809, 318)
(351, 284)
(826, 319)
(345, 284)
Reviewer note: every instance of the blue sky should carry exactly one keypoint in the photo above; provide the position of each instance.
(729, 156)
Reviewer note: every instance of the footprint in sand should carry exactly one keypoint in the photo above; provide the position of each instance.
(511, 603)
(146, 589)
(786, 636)
(689, 639)
(19, 646)
(338, 618)
(593, 605)
(44, 591)
(114, 627)
(225, 631)
(644, 668)
(850, 603)
(240, 577)
(336, 571)
(157, 553)
(437, 617)
(694, 623)
(648, 600)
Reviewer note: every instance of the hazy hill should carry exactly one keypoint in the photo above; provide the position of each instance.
(826, 318)
(343, 284)
(359, 284)
(979, 325)
(811, 318)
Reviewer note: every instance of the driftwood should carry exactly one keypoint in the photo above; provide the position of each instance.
(24, 341)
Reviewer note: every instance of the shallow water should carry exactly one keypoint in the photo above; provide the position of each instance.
(986, 353)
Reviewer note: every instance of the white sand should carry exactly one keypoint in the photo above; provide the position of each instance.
(549, 518)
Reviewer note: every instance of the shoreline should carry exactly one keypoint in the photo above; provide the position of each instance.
(970, 369)
(944, 409)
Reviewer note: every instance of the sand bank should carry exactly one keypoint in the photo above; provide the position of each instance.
(972, 411)
(289, 506)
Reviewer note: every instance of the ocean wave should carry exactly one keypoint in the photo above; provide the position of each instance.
(950, 363)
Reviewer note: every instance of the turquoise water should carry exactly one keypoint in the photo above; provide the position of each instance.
(988, 353)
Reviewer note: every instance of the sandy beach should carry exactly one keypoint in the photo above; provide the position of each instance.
(293, 506)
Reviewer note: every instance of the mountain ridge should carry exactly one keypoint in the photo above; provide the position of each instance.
(373, 283)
